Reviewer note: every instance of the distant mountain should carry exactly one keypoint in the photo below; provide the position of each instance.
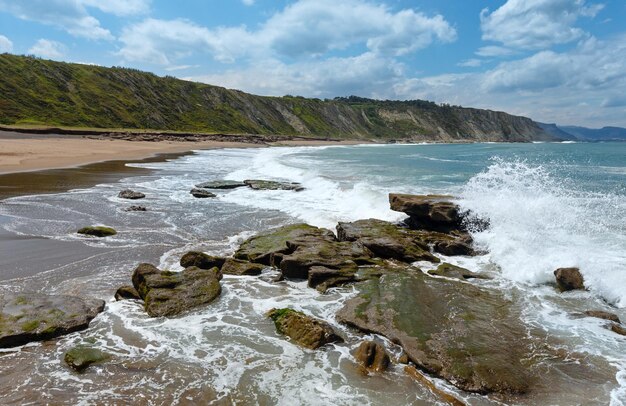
(557, 132)
(46, 93)
(600, 134)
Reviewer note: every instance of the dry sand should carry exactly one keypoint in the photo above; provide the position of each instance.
(28, 152)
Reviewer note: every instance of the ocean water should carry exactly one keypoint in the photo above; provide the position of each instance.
(549, 206)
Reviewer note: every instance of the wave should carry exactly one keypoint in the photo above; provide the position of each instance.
(541, 221)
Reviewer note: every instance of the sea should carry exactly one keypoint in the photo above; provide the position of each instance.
(549, 205)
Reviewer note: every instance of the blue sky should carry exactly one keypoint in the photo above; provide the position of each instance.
(560, 61)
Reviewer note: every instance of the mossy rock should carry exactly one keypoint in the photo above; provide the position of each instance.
(304, 330)
(201, 260)
(238, 267)
(97, 231)
(80, 357)
(456, 272)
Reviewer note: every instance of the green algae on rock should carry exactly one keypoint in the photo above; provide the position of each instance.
(304, 330)
(97, 231)
(201, 260)
(456, 272)
(467, 335)
(80, 357)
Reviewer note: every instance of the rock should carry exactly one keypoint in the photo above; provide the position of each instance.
(201, 193)
(618, 329)
(386, 240)
(471, 337)
(201, 260)
(257, 184)
(127, 292)
(428, 212)
(168, 293)
(220, 184)
(600, 314)
(372, 356)
(322, 278)
(234, 266)
(569, 279)
(136, 208)
(403, 359)
(97, 231)
(329, 254)
(456, 272)
(130, 194)
(80, 357)
(36, 317)
(304, 330)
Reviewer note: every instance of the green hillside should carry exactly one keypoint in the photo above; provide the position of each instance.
(41, 92)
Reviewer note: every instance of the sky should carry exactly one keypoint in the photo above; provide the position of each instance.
(556, 61)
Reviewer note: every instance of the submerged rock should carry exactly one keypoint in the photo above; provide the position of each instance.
(97, 231)
(127, 292)
(258, 184)
(130, 194)
(322, 278)
(456, 272)
(467, 335)
(386, 240)
(601, 314)
(35, 317)
(428, 212)
(136, 208)
(618, 329)
(304, 330)
(168, 293)
(201, 193)
(234, 266)
(569, 279)
(201, 260)
(80, 357)
(220, 184)
(372, 356)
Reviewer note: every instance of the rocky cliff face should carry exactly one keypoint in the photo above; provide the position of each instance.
(43, 92)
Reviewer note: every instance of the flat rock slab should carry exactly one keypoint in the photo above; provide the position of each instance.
(455, 272)
(469, 336)
(168, 293)
(34, 317)
(201, 193)
(258, 184)
(221, 184)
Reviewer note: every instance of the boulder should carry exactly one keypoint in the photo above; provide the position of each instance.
(201, 193)
(456, 272)
(469, 336)
(234, 266)
(323, 278)
(329, 254)
(372, 356)
(220, 184)
(136, 208)
(304, 330)
(601, 314)
(257, 184)
(36, 317)
(386, 240)
(168, 293)
(130, 194)
(201, 260)
(569, 279)
(618, 329)
(127, 292)
(428, 212)
(80, 357)
(97, 231)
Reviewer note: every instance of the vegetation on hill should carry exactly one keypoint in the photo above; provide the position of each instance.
(42, 92)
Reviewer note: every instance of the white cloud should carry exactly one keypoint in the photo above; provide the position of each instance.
(470, 63)
(5, 44)
(536, 24)
(494, 50)
(119, 7)
(68, 15)
(46, 48)
(304, 29)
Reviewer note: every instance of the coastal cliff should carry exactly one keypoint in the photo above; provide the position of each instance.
(48, 93)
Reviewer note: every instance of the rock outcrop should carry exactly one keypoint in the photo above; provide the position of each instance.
(569, 279)
(372, 356)
(130, 194)
(258, 184)
(97, 231)
(456, 272)
(428, 212)
(201, 193)
(127, 293)
(80, 357)
(304, 330)
(36, 317)
(238, 267)
(467, 335)
(601, 314)
(221, 184)
(201, 260)
(168, 293)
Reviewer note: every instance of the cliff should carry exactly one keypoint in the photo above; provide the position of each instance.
(42, 92)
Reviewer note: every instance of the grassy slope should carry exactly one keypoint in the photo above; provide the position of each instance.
(41, 92)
